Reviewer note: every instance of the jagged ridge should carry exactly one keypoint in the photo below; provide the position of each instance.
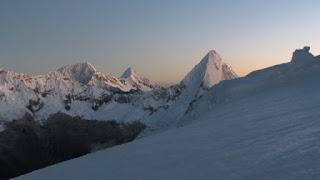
(81, 90)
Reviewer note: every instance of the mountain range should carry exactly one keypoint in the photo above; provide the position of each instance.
(211, 125)
(81, 90)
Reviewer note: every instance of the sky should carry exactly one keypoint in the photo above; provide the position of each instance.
(162, 39)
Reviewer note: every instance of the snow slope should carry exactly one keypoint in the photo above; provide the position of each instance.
(272, 132)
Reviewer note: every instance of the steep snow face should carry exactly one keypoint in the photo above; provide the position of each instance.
(138, 81)
(129, 73)
(81, 72)
(210, 71)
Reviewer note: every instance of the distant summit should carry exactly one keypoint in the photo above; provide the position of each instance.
(210, 71)
(129, 73)
(137, 81)
(81, 72)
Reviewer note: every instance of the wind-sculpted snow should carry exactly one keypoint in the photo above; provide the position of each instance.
(262, 126)
(302, 56)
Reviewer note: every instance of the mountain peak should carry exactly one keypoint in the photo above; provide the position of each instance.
(210, 71)
(81, 72)
(129, 72)
(212, 58)
(137, 81)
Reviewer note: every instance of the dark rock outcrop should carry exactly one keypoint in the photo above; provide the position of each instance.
(26, 145)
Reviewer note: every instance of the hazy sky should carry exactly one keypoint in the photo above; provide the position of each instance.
(161, 39)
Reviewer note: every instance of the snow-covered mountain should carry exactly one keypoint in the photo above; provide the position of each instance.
(261, 126)
(210, 71)
(137, 81)
(56, 91)
(81, 90)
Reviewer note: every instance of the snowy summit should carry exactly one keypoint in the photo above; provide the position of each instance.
(138, 81)
(210, 71)
(81, 72)
(129, 73)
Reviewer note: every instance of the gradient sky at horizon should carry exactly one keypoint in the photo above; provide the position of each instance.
(161, 39)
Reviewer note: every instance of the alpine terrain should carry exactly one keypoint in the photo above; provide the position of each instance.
(76, 110)
(81, 90)
(261, 126)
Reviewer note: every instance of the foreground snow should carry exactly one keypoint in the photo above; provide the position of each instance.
(269, 134)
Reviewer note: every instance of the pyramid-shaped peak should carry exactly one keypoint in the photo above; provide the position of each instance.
(129, 72)
(210, 71)
(212, 58)
(137, 81)
(214, 53)
(81, 72)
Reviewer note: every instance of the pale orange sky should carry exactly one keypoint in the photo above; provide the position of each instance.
(162, 40)
(242, 61)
